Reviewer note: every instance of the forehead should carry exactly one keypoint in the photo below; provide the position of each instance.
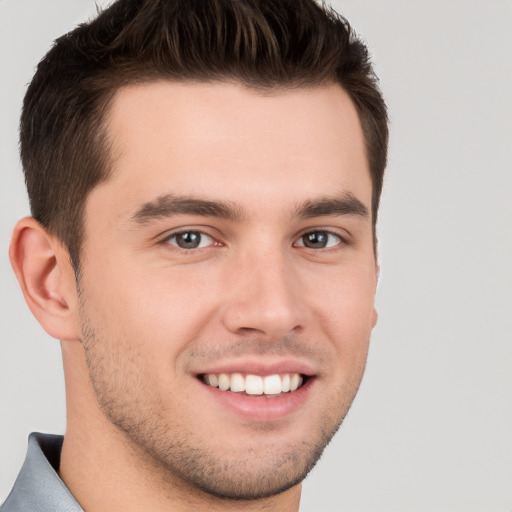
(232, 142)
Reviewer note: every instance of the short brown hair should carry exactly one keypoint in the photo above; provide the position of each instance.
(262, 44)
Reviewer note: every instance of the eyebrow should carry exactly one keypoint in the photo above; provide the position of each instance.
(347, 204)
(168, 205)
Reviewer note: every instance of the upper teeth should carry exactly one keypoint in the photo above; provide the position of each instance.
(255, 384)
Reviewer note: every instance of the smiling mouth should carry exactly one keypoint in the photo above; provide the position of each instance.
(255, 385)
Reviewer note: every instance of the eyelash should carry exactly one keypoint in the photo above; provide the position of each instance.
(339, 240)
(319, 233)
(167, 239)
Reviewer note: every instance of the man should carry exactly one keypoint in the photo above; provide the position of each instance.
(204, 180)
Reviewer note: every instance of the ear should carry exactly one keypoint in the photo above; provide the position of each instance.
(377, 275)
(375, 317)
(46, 277)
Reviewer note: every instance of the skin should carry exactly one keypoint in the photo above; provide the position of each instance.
(144, 432)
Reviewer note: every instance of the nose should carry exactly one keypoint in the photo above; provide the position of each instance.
(264, 297)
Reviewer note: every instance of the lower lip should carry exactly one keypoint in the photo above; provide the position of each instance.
(260, 407)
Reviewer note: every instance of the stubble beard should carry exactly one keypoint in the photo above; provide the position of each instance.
(177, 453)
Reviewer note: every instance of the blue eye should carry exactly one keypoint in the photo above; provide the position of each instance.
(190, 240)
(319, 240)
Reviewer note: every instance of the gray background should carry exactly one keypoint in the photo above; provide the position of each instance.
(431, 429)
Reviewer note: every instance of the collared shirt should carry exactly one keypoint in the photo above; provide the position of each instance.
(38, 486)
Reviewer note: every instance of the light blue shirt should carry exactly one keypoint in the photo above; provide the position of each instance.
(38, 487)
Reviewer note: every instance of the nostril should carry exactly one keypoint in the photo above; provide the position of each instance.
(264, 307)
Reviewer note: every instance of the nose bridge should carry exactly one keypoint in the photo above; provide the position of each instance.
(263, 295)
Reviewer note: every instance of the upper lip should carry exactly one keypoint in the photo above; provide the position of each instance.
(260, 367)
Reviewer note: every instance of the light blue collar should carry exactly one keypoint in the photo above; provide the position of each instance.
(38, 486)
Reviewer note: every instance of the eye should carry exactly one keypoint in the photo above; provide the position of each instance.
(190, 240)
(319, 240)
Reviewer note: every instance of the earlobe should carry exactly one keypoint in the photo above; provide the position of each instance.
(46, 278)
(375, 316)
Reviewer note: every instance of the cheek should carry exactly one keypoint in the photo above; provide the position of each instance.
(347, 311)
(160, 309)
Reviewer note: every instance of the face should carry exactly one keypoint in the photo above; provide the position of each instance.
(228, 280)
